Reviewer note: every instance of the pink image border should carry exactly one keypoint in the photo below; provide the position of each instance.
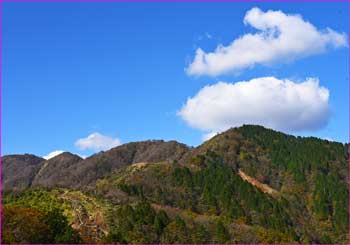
(197, 1)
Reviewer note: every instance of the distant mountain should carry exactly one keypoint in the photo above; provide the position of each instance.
(53, 172)
(69, 170)
(246, 185)
(87, 172)
(18, 171)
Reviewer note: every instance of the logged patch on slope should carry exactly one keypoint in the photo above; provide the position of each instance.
(263, 187)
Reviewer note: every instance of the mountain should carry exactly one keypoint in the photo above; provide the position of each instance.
(71, 171)
(246, 185)
(268, 155)
(93, 168)
(18, 171)
(54, 171)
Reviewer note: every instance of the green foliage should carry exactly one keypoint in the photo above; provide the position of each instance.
(200, 235)
(30, 225)
(296, 154)
(138, 224)
(221, 234)
(273, 236)
(144, 213)
(61, 230)
(196, 160)
(161, 220)
(74, 208)
(218, 187)
(330, 200)
(319, 169)
(37, 198)
(132, 189)
(114, 237)
(24, 225)
(176, 232)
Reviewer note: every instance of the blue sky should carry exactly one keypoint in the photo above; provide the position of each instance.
(119, 70)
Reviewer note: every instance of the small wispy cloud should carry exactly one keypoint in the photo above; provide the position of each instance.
(97, 142)
(52, 154)
(206, 35)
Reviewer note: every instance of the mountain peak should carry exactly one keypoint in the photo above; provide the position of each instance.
(65, 156)
(19, 170)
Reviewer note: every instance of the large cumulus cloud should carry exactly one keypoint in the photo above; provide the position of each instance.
(280, 104)
(280, 38)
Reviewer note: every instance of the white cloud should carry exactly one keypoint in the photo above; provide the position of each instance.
(97, 141)
(329, 139)
(52, 154)
(281, 38)
(82, 156)
(209, 135)
(279, 104)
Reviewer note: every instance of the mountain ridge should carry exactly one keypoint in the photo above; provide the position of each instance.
(293, 190)
(71, 162)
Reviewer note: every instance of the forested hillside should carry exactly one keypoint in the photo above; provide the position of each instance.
(166, 192)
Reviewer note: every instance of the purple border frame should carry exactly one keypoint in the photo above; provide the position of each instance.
(248, 1)
(0, 122)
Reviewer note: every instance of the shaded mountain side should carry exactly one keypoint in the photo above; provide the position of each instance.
(18, 171)
(52, 171)
(69, 170)
(87, 172)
